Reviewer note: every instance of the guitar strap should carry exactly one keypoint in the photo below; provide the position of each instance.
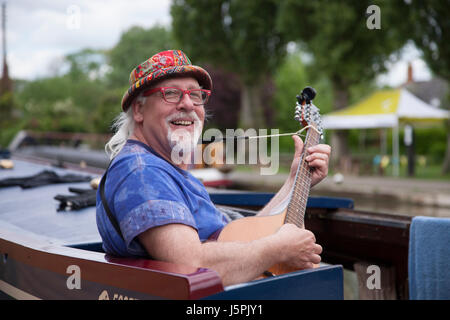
(110, 215)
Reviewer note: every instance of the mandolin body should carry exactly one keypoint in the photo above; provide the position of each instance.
(252, 228)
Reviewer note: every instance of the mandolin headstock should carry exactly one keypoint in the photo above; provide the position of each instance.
(306, 112)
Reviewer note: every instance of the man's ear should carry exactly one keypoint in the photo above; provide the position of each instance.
(138, 115)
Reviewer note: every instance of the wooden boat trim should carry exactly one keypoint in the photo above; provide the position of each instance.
(142, 278)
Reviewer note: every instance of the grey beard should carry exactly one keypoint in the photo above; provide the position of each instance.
(182, 144)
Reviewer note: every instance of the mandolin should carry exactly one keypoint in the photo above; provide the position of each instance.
(251, 228)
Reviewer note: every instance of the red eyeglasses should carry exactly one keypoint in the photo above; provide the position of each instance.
(174, 95)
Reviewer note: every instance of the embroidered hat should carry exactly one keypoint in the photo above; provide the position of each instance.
(160, 66)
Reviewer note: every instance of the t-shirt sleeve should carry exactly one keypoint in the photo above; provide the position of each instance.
(149, 197)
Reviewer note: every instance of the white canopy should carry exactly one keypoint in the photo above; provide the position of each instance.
(385, 109)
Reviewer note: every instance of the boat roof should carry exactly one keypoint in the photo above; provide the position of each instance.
(35, 210)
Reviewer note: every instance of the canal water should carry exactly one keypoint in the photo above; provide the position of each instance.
(391, 205)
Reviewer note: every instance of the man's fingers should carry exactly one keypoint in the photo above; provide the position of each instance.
(320, 148)
(311, 258)
(315, 258)
(318, 163)
(317, 156)
(318, 249)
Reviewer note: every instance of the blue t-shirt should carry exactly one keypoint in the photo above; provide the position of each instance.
(143, 190)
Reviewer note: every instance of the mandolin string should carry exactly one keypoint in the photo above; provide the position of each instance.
(281, 134)
(299, 133)
(292, 216)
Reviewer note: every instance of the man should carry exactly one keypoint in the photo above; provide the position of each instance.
(161, 210)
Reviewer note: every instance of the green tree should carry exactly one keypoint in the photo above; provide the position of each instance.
(343, 47)
(7, 118)
(52, 104)
(85, 64)
(239, 36)
(429, 28)
(106, 110)
(135, 46)
(65, 102)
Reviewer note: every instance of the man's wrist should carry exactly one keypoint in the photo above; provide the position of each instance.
(272, 249)
(290, 181)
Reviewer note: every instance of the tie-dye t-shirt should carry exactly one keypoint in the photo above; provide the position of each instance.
(143, 191)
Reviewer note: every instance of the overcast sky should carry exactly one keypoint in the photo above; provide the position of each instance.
(41, 32)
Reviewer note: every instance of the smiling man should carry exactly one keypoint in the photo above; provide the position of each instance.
(149, 205)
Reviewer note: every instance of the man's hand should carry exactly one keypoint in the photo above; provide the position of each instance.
(299, 247)
(317, 157)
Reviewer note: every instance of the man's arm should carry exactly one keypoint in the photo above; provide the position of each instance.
(235, 262)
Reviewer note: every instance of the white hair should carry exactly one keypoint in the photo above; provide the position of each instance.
(123, 126)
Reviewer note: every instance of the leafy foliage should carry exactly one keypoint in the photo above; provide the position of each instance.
(135, 46)
(429, 27)
(336, 34)
(239, 36)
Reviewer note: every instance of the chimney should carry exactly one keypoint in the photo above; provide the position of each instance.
(410, 73)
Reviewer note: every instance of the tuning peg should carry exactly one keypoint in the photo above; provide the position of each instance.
(309, 94)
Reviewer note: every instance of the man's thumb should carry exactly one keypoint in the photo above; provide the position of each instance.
(298, 146)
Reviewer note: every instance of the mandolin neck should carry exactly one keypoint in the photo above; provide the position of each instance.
(297, 205)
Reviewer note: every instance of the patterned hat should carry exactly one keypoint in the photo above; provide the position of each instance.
(160, 66)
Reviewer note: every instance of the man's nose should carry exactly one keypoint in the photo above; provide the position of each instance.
(186, 103)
